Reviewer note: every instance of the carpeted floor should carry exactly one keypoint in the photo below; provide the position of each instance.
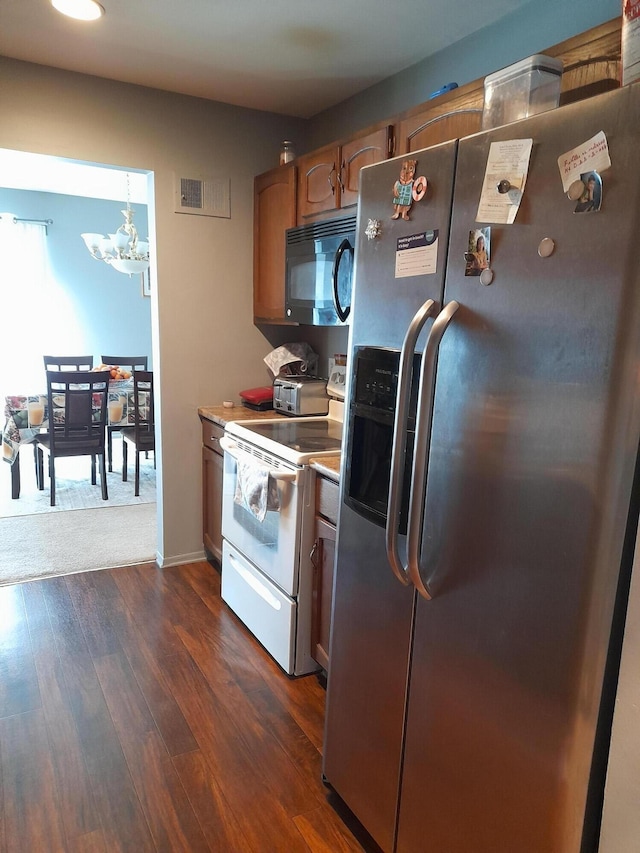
(82, 532)
(47, 544)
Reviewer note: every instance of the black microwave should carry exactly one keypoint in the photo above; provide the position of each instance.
(319, 271)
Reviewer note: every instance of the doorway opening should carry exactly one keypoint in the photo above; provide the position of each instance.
(84, 306)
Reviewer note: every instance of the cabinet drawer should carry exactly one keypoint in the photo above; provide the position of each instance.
(327, 499)
(211, 435)
(267, 612)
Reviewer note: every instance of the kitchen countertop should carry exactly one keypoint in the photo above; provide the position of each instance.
(222, 416)
(328, 466)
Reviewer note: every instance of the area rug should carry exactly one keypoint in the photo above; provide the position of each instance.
(46, 544)
(73, 485)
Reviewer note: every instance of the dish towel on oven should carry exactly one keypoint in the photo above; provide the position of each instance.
(255, 489)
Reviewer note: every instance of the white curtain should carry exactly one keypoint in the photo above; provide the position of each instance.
(27, 329)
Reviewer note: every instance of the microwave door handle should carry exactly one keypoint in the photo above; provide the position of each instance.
(342, 313)
(424, 416)
(396, 480)
(231, 448)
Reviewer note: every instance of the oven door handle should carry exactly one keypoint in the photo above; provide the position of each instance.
(231, 448)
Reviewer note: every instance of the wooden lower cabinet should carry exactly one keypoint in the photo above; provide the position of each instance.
(323, 560)
(212, 471)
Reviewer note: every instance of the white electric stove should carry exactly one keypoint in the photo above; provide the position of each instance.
(266, 566)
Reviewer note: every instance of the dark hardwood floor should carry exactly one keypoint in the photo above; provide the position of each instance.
(138, 714)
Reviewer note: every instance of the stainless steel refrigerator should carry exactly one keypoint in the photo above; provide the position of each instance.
(488, 497)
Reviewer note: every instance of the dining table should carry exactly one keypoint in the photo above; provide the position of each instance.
(26, 416)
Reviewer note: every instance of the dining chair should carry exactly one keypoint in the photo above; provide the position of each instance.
(77, 422)
(68, 362)
(129, 362)
(142, 434)
(62, 362)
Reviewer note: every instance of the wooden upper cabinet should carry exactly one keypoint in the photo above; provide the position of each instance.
(450, 116)
(274, 211)
(318, 187)
(591, 62)
(328, 178)
(363, 151)
(591, 65)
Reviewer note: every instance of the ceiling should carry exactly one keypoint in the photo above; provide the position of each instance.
(294, 57)
(21, 170)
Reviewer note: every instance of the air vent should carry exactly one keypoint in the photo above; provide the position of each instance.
(318, 230)
(203, 196)
(265, 457)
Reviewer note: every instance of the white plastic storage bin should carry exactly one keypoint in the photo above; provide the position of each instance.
(524, 89)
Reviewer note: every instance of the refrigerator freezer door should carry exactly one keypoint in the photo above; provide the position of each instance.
(532, 458)
(372, 615)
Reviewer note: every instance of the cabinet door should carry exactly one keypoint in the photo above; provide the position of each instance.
(363, 151)
(212, 469)
(592, 62)
(450, 116)
(322, 559)
(318, 185)
(274, 212)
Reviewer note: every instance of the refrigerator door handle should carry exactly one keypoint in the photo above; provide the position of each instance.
(403, 396)
(422, 442)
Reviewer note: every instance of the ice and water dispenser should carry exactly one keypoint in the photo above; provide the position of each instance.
(371, 421)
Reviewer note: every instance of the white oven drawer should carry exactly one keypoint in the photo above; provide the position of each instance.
(265, 610)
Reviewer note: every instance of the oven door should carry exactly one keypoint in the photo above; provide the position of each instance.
(272, 545)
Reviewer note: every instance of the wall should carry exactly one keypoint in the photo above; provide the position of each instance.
(530, 29)
(98, 310)
(205, 345)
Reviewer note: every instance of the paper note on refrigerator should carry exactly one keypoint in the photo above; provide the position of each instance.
(591, 156)
(504, 180)
(417, 254)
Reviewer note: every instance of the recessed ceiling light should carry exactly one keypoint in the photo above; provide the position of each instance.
(83, 10)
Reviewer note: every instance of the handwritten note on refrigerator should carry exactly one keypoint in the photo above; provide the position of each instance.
(504, 180)
(591, 156)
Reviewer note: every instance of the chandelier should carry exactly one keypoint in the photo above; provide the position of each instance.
(124, 251)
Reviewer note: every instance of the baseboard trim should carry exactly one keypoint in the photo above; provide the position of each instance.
(180, 559)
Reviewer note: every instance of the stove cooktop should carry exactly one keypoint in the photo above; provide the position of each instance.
(294, 439)
(305, 435)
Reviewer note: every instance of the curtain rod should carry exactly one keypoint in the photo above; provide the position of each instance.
(44, 222)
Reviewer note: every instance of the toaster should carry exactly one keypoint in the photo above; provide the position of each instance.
(300, 395)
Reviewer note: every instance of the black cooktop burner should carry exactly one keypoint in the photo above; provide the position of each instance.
(300, 435)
